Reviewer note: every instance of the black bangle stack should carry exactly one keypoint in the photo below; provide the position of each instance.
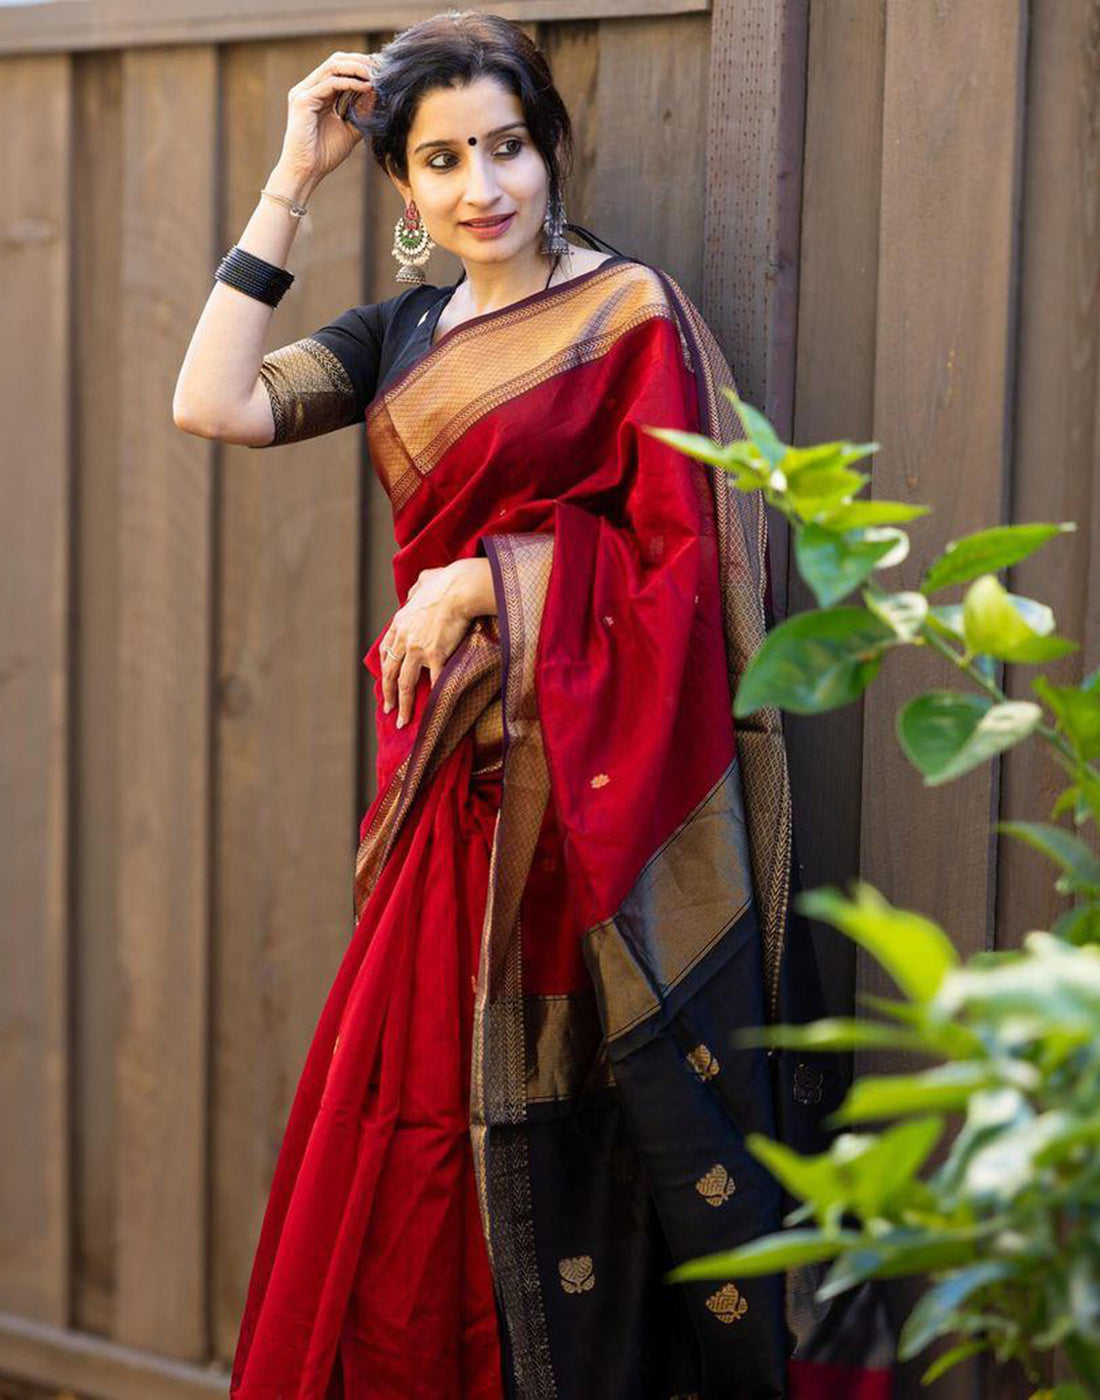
(254, 276)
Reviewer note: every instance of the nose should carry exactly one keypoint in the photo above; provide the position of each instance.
(482, 187)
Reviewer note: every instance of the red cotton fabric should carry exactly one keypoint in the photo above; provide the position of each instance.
(377, 1157)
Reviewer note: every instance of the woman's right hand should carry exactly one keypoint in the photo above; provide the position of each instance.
(316, 139)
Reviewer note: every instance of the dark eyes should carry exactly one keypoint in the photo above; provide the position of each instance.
(515, 142)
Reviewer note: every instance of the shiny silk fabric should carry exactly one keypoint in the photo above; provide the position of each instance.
(637, 901)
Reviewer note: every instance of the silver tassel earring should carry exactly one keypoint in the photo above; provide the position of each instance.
(553, 226)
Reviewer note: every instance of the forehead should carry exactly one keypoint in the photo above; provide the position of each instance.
(453, 113)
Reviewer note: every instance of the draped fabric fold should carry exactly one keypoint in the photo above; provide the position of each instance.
(637, 898)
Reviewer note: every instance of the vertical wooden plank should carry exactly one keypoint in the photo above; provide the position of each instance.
(834, 398)
(34, 695)
(943, 355)
(1056, 452)
(379, 597)
(289, 535)
(647, 191)
(754, 155)
(97, 195)
(1056, 414)
(163, 631)
(573, 53)
(755, 122)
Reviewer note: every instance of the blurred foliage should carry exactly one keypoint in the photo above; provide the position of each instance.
(1007, 1230)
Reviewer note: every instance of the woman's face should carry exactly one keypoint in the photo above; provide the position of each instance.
(459, 186)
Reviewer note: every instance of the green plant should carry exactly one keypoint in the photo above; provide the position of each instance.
(1007, 1229)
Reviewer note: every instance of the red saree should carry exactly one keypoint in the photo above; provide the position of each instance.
(521, 1105)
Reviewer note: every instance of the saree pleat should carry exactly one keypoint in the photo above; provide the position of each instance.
(372, 1278)
(550, 966)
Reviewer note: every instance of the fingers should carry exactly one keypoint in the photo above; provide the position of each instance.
(400, 673)
(390, 666)
(411, 663)
(339, 62)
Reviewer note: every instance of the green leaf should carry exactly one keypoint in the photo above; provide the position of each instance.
(771, 1254)
(1079, 925)
(950, 1358)
(986, 551)
(758, 428)
(946, 619)
(935, 1312)
(833, 565)
(826, 488)
(914, 951)
(904, 613)
(1068, 852)
(1005, 625)
(859, 514)
(704, 449)
(1077, 712)
(1052, 982)
(814, 661)
(945, 1089)
(835, 1033)
(883, 1171)
(815, 1180)
(800, 463)
(946, 733)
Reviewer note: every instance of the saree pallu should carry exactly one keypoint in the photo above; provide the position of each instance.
(636, 904)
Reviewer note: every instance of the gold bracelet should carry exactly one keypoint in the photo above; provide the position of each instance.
(298, 210)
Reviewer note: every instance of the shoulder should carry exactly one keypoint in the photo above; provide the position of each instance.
(375, 320)
(640, 290)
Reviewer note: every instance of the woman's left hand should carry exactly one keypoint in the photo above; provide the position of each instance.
(426, 630)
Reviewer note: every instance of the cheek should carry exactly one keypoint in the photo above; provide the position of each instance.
(528, 179)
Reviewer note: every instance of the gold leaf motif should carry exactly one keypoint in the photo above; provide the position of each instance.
(716, 1186)
(576, 1274)
(703, 1062)
(727, 1304)
(600, 780)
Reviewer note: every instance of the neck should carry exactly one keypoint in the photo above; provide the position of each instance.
(490, 286)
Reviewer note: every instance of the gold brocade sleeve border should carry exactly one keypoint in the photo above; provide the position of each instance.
(309, 389)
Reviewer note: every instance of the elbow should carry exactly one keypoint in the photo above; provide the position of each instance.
(185, 420)
(189, 422)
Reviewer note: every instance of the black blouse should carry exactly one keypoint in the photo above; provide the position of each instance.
(327, 380)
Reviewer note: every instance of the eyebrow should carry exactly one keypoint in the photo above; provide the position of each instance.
(496, 131)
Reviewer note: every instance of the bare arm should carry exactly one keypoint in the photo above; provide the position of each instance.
(219, 392)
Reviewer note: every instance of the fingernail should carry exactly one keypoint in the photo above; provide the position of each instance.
(386, 707)
(400, 721)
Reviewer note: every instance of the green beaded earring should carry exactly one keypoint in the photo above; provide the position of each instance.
(412, 244)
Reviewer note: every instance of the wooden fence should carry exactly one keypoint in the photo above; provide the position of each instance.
(889, 212)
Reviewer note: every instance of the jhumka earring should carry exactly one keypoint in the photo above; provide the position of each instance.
(412, 244)
(553, 225)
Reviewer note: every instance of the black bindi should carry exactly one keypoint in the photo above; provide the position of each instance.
(471, 140)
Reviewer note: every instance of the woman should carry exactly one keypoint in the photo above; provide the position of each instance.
(521, 1105)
